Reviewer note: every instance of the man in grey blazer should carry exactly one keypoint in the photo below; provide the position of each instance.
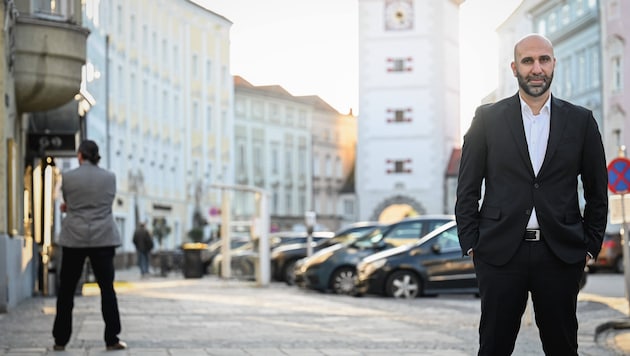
(529, 235)
(88, 231)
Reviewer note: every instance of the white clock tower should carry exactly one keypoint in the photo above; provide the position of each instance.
(408, 106)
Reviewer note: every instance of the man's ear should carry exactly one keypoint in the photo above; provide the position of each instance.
(513, 66)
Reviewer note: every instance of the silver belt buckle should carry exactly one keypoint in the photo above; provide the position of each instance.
(536, 235)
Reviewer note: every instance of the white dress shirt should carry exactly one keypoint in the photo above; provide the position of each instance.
(537, 135)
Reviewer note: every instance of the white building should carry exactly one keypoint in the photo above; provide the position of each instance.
(163, 118)
(408, 106)
(298, 148)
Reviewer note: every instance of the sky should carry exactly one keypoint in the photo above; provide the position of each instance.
(309, 47)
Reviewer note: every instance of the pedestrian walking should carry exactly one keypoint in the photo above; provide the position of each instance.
(528, 235)
(88, 231)
(144, 244)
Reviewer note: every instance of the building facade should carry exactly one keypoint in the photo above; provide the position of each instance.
(43, 50)
(159, 73)
(298, 148)
(408, 106)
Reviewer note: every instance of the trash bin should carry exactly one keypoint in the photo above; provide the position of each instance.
(193, 264)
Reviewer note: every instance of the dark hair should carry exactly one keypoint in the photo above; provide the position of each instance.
(89, 151)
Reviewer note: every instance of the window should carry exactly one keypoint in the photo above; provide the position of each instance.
(241, 157)
(209, 71)
(316, 172)
(595, 67)
(399, 64)
(302, 161)
(274, 203)
(581, 71)
(165, 52)
(328, 167)
(195, 115)
(617, 74)
(565, 14)
(145, 37)
(258, 161)
(274, 160)
(145, 96)
(338, 168)
(289, 162)
(132, 29)
(289, 206)
(553, 25)
(398, 166)
(448, 240)
(542, 27)
(302, 202)
(193, 64)
(119, 14)
(399, 115)
(208, 118)
(348, 207)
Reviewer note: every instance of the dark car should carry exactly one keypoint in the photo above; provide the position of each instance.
(283, 258)
(432, 265)
(334, 268)
(611, 254)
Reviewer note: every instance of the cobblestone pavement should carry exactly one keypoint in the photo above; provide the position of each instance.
(210, 316)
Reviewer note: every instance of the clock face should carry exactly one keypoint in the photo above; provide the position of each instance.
(398, 14)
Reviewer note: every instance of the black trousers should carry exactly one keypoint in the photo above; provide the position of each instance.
(102, 262)
(554, 286)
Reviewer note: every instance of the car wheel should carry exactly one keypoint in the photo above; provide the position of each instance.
(403, 284)
(342, 281)
(288, 272)
(619, 265)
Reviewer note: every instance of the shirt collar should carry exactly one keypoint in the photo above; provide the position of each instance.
(546, 108)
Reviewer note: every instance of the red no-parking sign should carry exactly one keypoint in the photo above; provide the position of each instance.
(619, 175)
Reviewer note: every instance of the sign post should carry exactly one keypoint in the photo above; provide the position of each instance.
(619, 183)
(309, 219)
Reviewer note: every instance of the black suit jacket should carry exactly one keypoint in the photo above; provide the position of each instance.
(495, 150)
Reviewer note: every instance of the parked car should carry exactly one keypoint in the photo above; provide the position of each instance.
(243, 258)
(432, 265)
(283, 258)
(334, 268)
(611, 254)
(214, 249)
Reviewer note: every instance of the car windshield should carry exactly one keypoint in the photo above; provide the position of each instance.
(372, 238)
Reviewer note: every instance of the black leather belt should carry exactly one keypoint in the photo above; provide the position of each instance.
(532, 235)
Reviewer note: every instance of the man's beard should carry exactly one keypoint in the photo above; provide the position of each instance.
(534, 91)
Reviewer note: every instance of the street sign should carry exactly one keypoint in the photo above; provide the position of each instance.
(619, 211)
(619, 175)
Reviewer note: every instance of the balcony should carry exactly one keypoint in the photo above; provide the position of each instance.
(48, 54)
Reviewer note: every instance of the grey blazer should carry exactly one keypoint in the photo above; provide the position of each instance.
(89, 192)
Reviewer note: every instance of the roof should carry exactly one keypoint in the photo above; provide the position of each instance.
(452, 170)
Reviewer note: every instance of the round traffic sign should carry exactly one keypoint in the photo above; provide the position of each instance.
(619, 175)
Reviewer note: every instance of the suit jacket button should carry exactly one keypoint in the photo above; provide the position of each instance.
(536, 185)
(528, 212)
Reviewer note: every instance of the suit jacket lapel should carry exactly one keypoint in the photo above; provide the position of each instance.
(515, 122)
(557, 123)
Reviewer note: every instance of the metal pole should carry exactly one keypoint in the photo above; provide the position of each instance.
(226, 262)
(263, 275)
(625, 249)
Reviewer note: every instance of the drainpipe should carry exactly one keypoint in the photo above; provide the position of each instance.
(107, 138)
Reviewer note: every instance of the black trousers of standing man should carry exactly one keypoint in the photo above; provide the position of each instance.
(554, 286)
(102, 262)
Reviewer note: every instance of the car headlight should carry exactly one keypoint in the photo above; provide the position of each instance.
(316, 259)
(367, 268)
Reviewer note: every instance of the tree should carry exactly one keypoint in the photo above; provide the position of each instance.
(160, 229)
